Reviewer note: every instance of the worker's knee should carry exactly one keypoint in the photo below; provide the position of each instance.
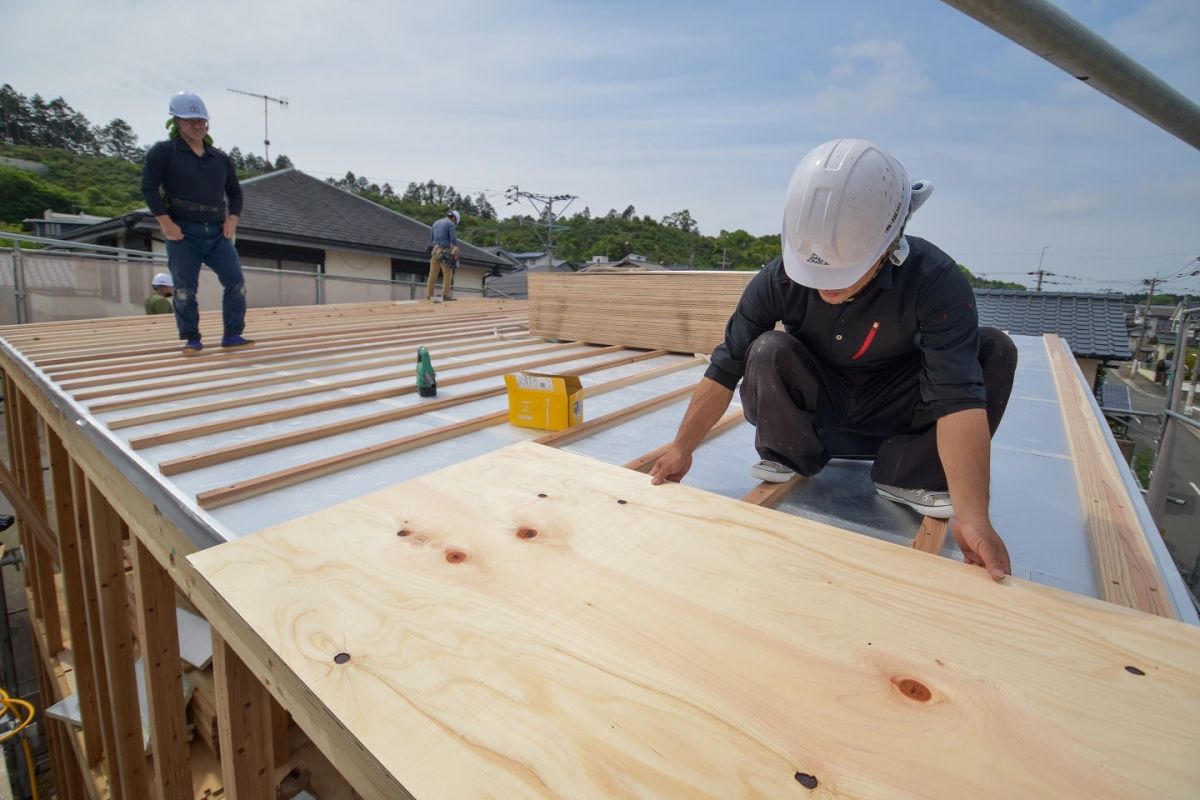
(997, 350)
(769, 346)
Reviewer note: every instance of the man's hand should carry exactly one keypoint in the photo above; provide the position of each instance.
(230, 226)
(169, 229)
(983, 547)
(671, 466)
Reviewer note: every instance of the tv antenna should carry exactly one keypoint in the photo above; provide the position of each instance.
(266, 100)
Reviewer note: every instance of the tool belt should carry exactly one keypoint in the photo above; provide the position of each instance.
(195, 208)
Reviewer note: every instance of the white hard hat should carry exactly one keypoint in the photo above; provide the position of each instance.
(188, 105)
(846, 204)
(456, 215)
(162, 279)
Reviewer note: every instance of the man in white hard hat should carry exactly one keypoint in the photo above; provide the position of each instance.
(881, 353)
(192, 190)
(159, 301)
(443, 254)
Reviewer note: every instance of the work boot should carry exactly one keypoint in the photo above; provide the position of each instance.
(772, 472)
(931, 504)
(236, 341)
(192, 346)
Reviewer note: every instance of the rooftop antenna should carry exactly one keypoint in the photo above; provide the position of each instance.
(266, 99)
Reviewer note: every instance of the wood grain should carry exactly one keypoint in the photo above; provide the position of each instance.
(535, 624)
(1124, 564)
(627, 308)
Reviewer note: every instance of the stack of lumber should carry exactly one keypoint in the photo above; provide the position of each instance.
(681, 311)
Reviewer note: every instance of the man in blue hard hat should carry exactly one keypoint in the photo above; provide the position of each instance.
(192, 190)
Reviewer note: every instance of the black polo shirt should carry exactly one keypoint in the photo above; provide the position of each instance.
(920, 311)
(208, 180)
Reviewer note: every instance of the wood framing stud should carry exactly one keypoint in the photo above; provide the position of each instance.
(242, 718)
(129, 760)
(164, 684)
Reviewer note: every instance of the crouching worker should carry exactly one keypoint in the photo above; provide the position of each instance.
(881, 353)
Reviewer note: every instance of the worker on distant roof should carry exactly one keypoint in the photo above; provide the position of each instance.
(196, 181)
(159, 301)
(443, 253)
(881, 354)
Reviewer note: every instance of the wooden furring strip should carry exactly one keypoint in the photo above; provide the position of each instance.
(768, 494)
(253, 487)
(333, 342)
(1127, 572)
(644, 462)
(253, 399)
(390, 392)
(560, 438)
(213, 382)
(931, 535)
(195, 369)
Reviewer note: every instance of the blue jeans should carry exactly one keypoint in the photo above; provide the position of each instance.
(205, 243)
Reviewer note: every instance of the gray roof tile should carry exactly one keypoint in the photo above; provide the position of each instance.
(1092, 324)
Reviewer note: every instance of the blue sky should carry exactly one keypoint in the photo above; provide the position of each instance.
(669, 105)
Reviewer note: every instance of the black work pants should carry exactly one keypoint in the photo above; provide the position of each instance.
(805, 413)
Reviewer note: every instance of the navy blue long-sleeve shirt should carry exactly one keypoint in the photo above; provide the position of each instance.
(922, 309)
(173, 168)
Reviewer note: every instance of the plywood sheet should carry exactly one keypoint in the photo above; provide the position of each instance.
(535, 624)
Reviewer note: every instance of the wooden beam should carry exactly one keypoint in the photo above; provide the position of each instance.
(91, 591)
(194, 431)
(390, 392)
(242, 715)
(768, 494)
(931, 535)
(1127, 572)
(255, 399)
(159, 638)
(212, 373)
(560, 438)
(223, 455)
(644, 462)
(75, 596)
(40, 555)
(109, 562)
(252, 487)
(27, 513)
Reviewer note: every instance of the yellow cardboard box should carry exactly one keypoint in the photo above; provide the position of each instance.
(544, 401)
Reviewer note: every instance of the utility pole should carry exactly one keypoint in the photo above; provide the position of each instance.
(544, 205)
(1152, 282)
(266, 136)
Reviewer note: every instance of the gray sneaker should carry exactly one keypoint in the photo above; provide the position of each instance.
(931, 504)
(771, 472)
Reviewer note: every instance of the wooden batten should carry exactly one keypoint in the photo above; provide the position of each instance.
(1127, 573)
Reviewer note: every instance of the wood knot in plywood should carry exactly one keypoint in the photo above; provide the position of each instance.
(527, 533)
(456, 556)
(806, 780)
(913, 689)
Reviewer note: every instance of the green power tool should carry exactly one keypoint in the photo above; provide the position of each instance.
(426, 377)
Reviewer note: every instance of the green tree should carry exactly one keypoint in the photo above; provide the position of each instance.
(23, 196)
(117, 140)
